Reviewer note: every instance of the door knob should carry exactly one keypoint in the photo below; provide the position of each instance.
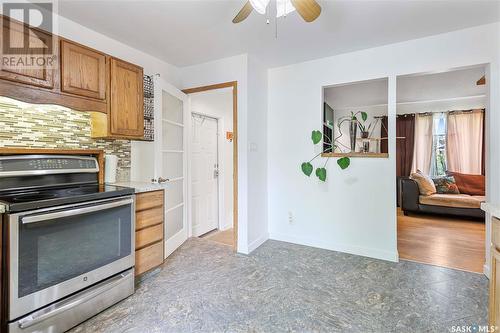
(162, 180)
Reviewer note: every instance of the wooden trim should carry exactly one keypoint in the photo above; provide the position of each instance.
(98, 153)
(363, 155)
(481, 81)
(231, 84)
(37, 95)
(493, 292)
(234, 85)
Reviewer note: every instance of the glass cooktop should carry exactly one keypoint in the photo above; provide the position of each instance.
(48, 197)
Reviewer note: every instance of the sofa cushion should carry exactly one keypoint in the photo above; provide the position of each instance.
(446, 185)
(469, 184)
(425, 184)
(452, 200)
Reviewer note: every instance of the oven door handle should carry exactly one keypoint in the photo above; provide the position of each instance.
(73, 212)
(72, 302)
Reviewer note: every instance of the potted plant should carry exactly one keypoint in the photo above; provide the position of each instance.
(354, 124)
(365, 131)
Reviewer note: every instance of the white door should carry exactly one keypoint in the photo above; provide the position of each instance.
(204, 174)
(171, 110)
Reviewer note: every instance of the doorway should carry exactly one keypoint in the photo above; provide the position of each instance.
(440, 166)
(213, 156)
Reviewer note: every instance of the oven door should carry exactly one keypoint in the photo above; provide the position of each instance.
(58, 251)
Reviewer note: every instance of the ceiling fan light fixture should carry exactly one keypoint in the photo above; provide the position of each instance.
(284, 7)
(259, 5)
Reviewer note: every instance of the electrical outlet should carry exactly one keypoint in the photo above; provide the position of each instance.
(290, 217)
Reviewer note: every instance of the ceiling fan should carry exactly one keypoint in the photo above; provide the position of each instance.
(308, 9)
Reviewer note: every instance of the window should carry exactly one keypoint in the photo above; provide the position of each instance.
(438, 157)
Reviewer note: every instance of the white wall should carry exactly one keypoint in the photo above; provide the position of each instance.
(354, 211)
(252, 141)
(219, 104)
(225, 70)
(257, 155)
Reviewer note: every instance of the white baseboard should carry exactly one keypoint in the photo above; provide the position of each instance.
(486, 270)
(174, 242)
(356, 250)
(258, 242)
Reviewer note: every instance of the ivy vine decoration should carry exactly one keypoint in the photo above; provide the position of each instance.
(317, 136)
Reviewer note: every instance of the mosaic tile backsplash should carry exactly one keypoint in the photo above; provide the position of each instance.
(49, 126)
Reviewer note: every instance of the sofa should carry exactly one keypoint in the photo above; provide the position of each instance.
(459, 205)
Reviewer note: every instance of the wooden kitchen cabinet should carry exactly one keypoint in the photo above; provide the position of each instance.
(40, 75)
(494, 308)
(83, 71)
(127, 99)
(81, 78)
(149, 230)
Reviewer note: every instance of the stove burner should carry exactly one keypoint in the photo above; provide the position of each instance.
(32, 197)
(85, 190)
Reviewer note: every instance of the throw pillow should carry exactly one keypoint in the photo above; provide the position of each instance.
(425, 184)
(469, 184)
(446, 185)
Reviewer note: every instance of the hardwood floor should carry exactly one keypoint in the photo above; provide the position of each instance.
(442, 241)
(225, 237)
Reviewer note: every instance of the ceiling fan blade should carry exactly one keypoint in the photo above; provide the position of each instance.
(308, 9)
(244, 12)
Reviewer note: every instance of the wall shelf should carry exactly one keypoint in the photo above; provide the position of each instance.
(362, 155)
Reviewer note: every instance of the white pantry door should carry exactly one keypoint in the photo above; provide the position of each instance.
(171, 110)
(204, 174)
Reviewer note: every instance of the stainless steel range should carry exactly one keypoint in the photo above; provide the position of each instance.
(68, 242)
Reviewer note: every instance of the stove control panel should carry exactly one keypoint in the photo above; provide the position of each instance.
(18, 165)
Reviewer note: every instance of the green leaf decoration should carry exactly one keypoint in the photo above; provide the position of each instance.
(321, 174)
(316, 136)
(307, 168)
(344, 162)
(364, 116)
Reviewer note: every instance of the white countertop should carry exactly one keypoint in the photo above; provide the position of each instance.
(141, 187)
(493, 209)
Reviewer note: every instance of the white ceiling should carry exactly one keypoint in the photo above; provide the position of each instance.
(194, 31)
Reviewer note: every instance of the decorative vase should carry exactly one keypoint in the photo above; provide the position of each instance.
(366, 146)
(353, 131)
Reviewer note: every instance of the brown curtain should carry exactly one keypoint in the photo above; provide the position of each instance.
(464, 142)
(423, 143)
(384, 144)
(405, 142)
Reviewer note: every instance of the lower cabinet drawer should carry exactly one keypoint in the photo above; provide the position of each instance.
(148, 236)
(148, 258)
(148, 200)
(148, 217)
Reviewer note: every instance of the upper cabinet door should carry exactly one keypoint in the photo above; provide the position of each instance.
(28, 43)
(127, 99)
(83, 71)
